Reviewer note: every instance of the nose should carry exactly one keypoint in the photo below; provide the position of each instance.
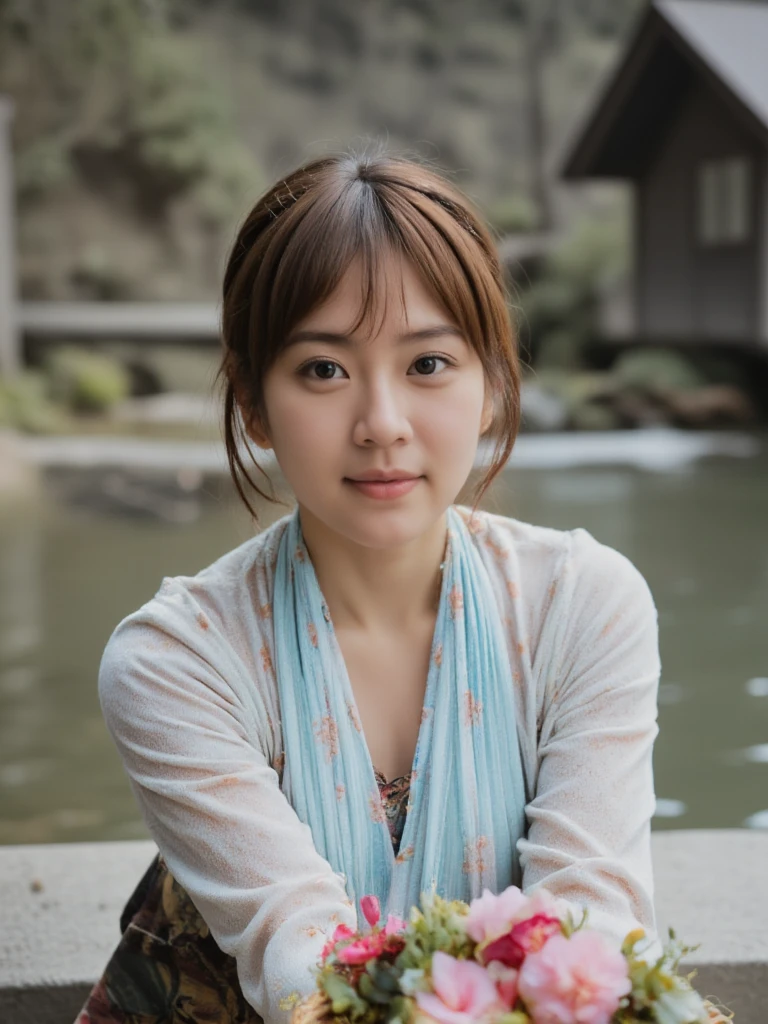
(382, 418)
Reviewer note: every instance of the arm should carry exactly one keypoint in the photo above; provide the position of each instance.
(589, 820)
(214, 807)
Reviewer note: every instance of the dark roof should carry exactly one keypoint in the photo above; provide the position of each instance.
(676, 41)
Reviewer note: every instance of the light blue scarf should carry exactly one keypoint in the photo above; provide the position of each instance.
(466, 806)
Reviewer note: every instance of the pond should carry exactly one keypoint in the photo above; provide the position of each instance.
(95, 544)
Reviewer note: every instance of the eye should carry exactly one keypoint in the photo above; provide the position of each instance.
(325, 369)
(426, 365)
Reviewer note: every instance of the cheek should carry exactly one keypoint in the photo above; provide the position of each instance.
(454, 420)
(302, 429)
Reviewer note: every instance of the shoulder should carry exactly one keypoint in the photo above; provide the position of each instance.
(561, 573)
(511, 548)
(544, 549)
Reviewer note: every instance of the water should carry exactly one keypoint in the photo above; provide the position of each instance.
(95, 545)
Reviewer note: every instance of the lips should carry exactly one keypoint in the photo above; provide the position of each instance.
(386, 488)
(383, 476)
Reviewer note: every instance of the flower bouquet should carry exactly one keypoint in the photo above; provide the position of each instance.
(502, 959)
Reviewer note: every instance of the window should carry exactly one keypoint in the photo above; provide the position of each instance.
(724, 201)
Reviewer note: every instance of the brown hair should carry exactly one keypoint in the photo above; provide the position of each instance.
(298, 241)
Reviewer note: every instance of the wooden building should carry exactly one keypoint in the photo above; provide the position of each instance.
(684, 118)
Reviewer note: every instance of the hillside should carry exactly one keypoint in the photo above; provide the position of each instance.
(143, 130)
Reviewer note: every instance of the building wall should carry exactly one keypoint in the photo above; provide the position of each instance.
(683, 288)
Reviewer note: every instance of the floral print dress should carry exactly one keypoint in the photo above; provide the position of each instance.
(167, 968)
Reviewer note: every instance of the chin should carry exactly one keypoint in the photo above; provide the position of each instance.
(389, 528)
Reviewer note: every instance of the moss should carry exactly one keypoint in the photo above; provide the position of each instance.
(85, 381)
(654, 371)
(25, 405)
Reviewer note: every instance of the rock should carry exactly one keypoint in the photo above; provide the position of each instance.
(542, 408)
(594, 416)
(710, 406)
(656, 371)
(634, 409)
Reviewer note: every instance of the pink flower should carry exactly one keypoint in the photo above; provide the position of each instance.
(366, 948)
(506, 982)
(372, 913)
(527, 936)
(343, 931)
(371, 909)
(492, 915)
(543, 902)
(394, 925)
(574, 981)
(464, 993)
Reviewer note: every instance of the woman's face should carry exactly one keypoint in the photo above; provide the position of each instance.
(405, 398)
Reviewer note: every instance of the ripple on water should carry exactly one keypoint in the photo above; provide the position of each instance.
(758, 820)
(758, 754)
(666, 808)
(19, 773)
(671, 693)
(743, 616)
(757, 687)
(17, 679)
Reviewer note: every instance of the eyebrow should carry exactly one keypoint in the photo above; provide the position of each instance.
(336, 338)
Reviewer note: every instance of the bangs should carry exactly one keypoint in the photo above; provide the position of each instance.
(316, 237)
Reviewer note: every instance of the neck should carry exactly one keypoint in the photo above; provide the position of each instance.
(372, 588)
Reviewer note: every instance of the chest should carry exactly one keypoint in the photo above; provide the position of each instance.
(388, 675)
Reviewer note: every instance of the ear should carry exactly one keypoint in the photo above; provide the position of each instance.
(257, 433)
(487, 417)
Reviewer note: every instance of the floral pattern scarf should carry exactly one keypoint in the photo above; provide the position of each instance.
(467, 802)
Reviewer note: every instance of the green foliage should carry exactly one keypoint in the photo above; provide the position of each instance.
(179, 129)
(378, 991)
(515, 1017)
(43, 167)
(561, 307)
(98, 272)
(657, 988)
(593, 415)
(142, 105)
(25, 405)
(655, 371)
(86, 381)
(59, 59)
(560, 349)
(595, 250)
(515, 213)
(587, 399)
(343, 997)
(108, 84)
(436, 926)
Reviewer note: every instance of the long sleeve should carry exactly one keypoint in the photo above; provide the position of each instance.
(212, 801)
(598, 667)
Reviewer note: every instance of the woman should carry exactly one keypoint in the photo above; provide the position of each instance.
(502, 676)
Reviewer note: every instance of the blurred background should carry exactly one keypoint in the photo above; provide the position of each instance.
(619, 149)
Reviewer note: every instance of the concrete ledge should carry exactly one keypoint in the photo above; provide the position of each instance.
(61, 906)
(712, 888)
(61, 909)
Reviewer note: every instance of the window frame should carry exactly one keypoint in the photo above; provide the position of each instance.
(724, 200)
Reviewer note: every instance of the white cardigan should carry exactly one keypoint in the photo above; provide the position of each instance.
(188, 691)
